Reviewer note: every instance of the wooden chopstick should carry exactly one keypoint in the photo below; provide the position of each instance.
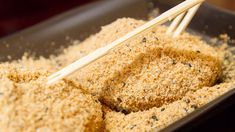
(184, 23)
(178, 25)
(168, 15)
(175, 23)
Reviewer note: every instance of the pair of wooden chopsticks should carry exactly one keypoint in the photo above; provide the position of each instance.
(178, 10)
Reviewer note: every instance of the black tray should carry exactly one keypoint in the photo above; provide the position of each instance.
(47, 37)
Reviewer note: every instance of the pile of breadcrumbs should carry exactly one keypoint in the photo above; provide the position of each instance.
(145, 84)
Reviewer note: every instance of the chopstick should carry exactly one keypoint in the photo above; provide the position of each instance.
(166, 16)
(179, 25)
(184, 23)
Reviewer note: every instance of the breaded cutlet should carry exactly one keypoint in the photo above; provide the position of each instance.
(150, 70)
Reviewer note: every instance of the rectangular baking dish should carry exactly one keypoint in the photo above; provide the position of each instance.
(49, 36)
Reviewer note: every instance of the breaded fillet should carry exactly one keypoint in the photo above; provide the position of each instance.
(27, 104)
(150, 70)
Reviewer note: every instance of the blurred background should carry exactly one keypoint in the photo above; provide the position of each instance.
(19, 14)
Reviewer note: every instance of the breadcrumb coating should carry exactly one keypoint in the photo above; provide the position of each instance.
(156, 119)
(152, 80)
(27, 104)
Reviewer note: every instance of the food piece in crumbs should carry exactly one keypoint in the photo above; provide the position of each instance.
(150, 70)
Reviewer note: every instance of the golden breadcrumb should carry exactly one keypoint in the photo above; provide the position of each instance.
(145, 84)
(155, 119)
(27, 104)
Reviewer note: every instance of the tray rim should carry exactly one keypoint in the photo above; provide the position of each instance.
(177, 124)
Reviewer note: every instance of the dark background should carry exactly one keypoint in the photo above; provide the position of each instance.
(19, 14)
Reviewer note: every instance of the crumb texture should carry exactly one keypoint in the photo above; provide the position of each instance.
(27, 104)
(156, 119)
(144, 84)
